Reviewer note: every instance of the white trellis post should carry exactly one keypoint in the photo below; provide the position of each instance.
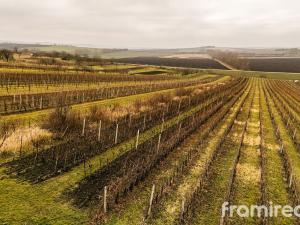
(83, 127)
(41, 102)
(291, 180)
(158, 143)
(116, 134)
(151, 199)
(105, 199)
(162, 126)
(179, 129)
(20, 101)
(222, 220)
(182, 207)
(33, 101)
(179, 106)
(137, 139)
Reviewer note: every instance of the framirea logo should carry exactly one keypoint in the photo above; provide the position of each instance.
(259, 210)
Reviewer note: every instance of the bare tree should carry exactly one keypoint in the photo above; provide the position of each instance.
(6, 55)
(231, 58)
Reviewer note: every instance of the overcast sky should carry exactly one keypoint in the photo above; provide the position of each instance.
(152, 23)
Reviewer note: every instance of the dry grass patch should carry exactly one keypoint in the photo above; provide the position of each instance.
(252, 141)
(24, 137)
(248, 173)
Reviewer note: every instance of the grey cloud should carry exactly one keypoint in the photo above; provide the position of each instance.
(152, 23)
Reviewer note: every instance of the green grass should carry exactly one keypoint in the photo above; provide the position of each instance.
(276, 186)
(258, 74)
(23, 203)
(246, 188)
(212, 197)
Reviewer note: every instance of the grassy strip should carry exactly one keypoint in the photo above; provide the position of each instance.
(207, 207)
(259, 74)
(246, 187)
(276, 186)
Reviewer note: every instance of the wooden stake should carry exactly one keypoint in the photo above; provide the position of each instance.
(83, 127)
(291, 180)
(32, 100)
(182, 207)
(20, 101)
(162, 126)
(158, 144)
(105, 200)
(41, 102)
(179, 129)
(137, 139)
(99, 130)
(116, 135)
(151, 199)
(179, 106)
(144, 123)
(21, 145)
(222, 220)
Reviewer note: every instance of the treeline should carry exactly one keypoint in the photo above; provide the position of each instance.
(275, 64)
(231, 58)
(6, 55)
(68, 56)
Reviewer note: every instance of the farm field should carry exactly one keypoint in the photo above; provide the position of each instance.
(275, 64)
(205, 63)
(143, 144)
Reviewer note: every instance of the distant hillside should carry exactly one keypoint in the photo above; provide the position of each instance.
(130, 53)
(12, 46)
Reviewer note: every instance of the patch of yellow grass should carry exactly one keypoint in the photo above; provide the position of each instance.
(23, 136)
(248, 173)
(252, 141)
